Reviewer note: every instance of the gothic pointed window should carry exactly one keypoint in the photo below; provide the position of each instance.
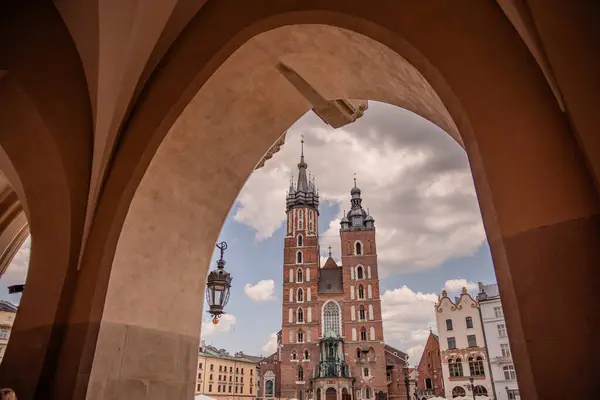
(299, 257)
(300, 374)
(358, 248)
(299, 275)
(331, 318)
(361, 292)
(300, 336)
(363, 334)
(300, 317)
(360, 273)
(362, 315)
(300, 295)
(300, 241)
(300, 219)
(306, 356)
(358, 353)
(294, 355)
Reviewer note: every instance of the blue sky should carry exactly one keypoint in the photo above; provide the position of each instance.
(416, 181)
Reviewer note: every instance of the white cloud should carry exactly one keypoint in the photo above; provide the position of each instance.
(456, 285)
(271, 345)
(415, 353)
(407, 317)
(415, 180)
(226, 324)
(262, 291)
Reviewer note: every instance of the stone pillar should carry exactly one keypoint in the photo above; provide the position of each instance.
(542, 219)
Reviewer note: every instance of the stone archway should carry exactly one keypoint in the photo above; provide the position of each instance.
(193, 250)
(498, 101)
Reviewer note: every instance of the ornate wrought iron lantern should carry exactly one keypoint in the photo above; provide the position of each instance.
(218, 286)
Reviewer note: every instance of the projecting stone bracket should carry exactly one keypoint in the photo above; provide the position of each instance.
(335, 113)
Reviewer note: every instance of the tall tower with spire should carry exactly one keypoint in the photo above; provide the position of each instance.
(300, 318)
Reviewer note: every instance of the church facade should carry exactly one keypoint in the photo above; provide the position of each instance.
(331, 344)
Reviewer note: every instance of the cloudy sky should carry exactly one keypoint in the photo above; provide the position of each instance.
(417, 184)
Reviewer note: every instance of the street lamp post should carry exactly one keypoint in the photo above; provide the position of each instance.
(471, 386)
(218, 286)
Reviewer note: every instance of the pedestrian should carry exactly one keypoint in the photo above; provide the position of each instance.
(7, 394)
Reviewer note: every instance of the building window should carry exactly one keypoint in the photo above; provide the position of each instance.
(300, 295)
(299, 257)
(229, 390)
(306, 355)
(294, 355)
(251, 372)
(220, 368)
(360, 274)
(300, 336)
(480, 390)
(300, 317)
(331, 318)
(300, 275)
(449, 325)
(300, 219)
(220, 378)
(210, 388)
(251, 389)
(212, 367)
(361, 292)
(366, 372)
(210, 378)
(362, 315)
(230, 378)
(269, 388)
(458, 391)
(300, 241)
(199, 365)
(472, 340)
(501, 330)
(455, 367)
(509, 372)
(236, 389)
(451, 343)
(358, 247)
(237, 370)
(368, 393)
(513, 394)
(505, 349)
(363, 334)
(469, 322)
(300, 374)
(498, 312)
(300, 395)
(219, 388)
(230, 369)
(476, 366)
(358, 353)
(428, 384)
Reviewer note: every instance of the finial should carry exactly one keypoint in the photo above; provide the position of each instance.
(355, 179)
(329, 250)
(302, 148)
(430, 330)
(368, 211)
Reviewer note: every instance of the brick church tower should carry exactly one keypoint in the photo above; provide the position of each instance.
(332, 344)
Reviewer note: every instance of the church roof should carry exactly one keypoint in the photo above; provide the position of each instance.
(330, 263)
(330, 280)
